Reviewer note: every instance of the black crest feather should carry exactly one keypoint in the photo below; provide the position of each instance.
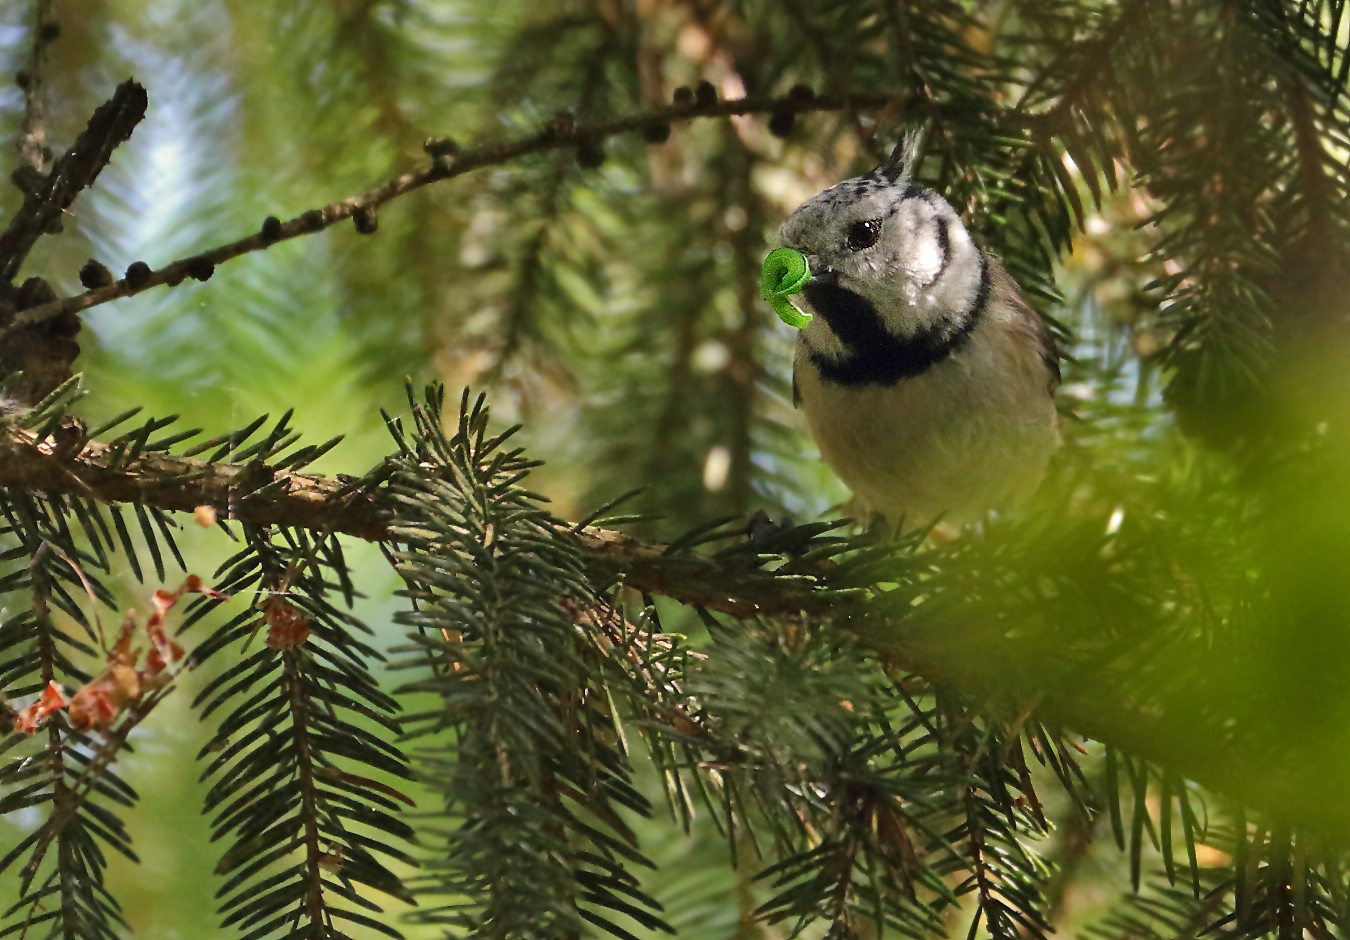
(903, 159)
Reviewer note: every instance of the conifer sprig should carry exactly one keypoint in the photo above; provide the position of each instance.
(59, 770)
(523, 744)
(304, 772)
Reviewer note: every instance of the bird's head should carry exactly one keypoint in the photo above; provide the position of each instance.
(884, 253)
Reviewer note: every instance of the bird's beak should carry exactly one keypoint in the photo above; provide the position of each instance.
(826, 276)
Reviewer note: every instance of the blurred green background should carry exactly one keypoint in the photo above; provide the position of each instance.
(613, 312)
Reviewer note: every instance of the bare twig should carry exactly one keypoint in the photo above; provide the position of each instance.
(49, 196)
(556, 135)
(32, 142)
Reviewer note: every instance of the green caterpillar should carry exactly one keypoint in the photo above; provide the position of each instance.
(785, 273)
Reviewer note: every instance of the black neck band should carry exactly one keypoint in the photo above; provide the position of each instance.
(872, 355)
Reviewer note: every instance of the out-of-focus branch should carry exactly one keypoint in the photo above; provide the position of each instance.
(32, 142)
(47, 197)
(558, 134)
(44, 350)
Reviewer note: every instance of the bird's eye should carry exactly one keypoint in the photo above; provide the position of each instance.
(863, 234)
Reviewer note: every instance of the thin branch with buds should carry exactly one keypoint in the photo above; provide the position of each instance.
(447, 162)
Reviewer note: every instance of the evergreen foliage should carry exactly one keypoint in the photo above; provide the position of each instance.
(533, 771)
(1120, 715)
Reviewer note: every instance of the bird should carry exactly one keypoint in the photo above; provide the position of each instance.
(926, 380)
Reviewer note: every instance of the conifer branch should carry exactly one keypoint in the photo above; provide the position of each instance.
(1089, 60)
(307, 501)
(181, 484)
(558, 134)
(296, 782)
(959, 655)
(366, 511)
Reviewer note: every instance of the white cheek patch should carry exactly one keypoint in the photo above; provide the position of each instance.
(926, 261)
